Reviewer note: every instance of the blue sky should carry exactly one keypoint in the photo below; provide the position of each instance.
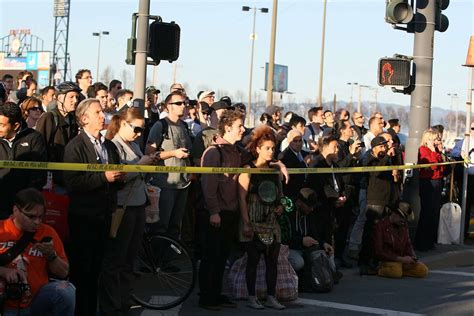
(215, 44)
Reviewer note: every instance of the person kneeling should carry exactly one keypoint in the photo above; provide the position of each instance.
(393, 247)
(29, 251)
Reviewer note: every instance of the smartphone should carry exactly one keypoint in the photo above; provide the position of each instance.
(46, 239)
(362, 144)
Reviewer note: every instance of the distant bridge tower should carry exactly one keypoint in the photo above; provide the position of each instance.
(61, 40)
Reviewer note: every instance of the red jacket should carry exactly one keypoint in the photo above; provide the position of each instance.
(425, 156)
(391, 242)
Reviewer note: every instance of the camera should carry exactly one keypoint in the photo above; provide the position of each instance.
(14, 291)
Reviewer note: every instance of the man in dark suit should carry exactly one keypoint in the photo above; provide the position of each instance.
(93, 199)
(394, 130)
(293, 157)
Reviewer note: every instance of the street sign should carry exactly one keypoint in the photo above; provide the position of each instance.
(394, 72)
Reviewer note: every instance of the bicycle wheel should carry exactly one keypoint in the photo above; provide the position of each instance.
(165, 273)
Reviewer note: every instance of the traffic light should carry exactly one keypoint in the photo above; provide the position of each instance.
(441, 20)
(164, 41)
(394, 71)
(398, 12)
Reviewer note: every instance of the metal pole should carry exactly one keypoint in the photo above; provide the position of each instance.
(420, 104)
(457, 116)
(467, 141)
(271, 63)
(98, 59)
(141, 51)
(321, 64)
(359, 105)
(174, 73)
(352, 92)
(251, 64)
(154, 75)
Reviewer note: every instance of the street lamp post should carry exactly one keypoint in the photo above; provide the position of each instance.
(359, 104)
(252, 37)
(271, 62)
(321, 65)
(352, 84)
(99, 35)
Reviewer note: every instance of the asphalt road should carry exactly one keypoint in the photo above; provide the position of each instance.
(446, 291)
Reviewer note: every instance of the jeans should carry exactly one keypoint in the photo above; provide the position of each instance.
(53, 298)
(355, 239)
(115, 282)
(172, 207)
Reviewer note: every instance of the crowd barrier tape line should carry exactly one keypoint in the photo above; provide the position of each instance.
(64, 166)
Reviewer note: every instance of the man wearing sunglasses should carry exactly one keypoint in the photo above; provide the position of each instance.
(171, 138)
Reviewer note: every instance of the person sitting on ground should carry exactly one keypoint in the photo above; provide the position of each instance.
(304, 233)
(32, 265)
(393, 246)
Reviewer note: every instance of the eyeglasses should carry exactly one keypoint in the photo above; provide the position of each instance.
(88, 77)
(136, 129)
(36, 108)
(359, 117)
(32, 217)
(179, 103)
(472, 128)
(297, 140)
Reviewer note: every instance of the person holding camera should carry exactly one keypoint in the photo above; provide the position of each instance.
(30, 253)
(171, 138)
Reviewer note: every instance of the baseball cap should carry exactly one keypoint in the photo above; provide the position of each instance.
(379, 140)
(220, 105)
(206, 94)
(272, 109)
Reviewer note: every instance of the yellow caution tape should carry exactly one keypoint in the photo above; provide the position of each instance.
(65, 166)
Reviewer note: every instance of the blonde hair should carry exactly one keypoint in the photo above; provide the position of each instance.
(429, 134)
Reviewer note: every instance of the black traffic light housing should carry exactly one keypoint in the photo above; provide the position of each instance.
(394, 71)
(164, 41)
(441, 20)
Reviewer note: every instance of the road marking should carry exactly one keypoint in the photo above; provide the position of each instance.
(356, 308)
(453, 272)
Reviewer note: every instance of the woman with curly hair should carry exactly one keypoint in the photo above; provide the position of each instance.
(259, 199)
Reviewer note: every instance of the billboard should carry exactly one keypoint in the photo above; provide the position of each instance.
(280, 78)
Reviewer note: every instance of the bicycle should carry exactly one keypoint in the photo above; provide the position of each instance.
(165, 273)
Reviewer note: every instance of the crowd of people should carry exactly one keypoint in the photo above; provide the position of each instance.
(340, 219)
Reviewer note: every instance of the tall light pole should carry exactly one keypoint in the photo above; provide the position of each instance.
(99, 35)
(321, 64)
(271, 62)
(352, 84)
(252, 37)
(453, 96)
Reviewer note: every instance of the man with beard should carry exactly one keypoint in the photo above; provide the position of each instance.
(393, 247)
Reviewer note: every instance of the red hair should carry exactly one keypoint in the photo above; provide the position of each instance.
(260, 135)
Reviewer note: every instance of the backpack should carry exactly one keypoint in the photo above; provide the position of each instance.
(165, 130)
(311, 129)
(317, 271)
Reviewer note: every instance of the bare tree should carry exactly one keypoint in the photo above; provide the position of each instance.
(107, 75)
(239, 97)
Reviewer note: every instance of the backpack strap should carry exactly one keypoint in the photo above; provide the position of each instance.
(9, 255)
(311, 129)
(164, 132)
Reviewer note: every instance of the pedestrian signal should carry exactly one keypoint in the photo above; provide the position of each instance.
(164, 41)
(394, 72)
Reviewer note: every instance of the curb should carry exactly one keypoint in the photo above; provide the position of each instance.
(456, 258)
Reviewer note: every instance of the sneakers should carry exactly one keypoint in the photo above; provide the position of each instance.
(254, 303)
(272, 302)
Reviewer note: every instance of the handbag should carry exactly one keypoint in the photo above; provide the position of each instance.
(152, 210)
(117, 216)
(56, 213)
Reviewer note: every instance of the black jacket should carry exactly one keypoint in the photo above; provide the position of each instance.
(297, 181)
(28, 145)
(57, 131)
(91, 195)
(302, 226)
(361, 131)
(379, 186)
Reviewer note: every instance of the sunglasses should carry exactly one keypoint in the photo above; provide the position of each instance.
(36, 108)
(136, 129)
(179, 103)
(472, 128)
(32, 217)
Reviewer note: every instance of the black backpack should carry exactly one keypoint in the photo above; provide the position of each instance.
(317, 271)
